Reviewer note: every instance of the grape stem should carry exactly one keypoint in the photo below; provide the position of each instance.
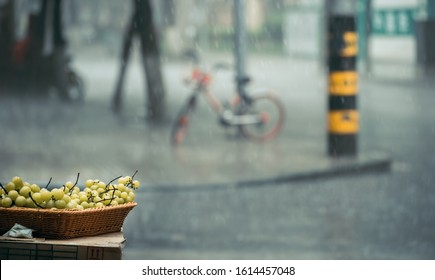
(30, 195)
(75, 184)
(49, 181)
(77, 180)
(132, 177)
(113, 196)
(1, 185)
(106, 199)
(130, 182)
(113, 180)
(114, 189)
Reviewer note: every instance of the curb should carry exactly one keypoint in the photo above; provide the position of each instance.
(363, 164)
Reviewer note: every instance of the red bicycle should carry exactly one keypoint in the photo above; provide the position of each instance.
(258, 117)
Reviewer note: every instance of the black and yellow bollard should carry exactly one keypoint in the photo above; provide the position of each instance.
(343, 117)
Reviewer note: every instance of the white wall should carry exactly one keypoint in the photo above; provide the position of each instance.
(393, 49)
(302, 34)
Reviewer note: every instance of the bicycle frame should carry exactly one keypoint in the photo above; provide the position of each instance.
(228, 117)
(247, 113)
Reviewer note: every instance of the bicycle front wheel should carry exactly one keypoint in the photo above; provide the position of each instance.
(270, 112)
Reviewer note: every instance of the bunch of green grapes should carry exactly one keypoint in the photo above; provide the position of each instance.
(96, 193)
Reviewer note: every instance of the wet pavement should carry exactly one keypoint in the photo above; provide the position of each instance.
(219, 196)
(45, 138)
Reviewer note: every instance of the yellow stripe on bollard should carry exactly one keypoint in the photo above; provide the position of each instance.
(350, 44)
(343, 122)
(343, 83)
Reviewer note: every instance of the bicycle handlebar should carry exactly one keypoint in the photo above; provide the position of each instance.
(202, 76)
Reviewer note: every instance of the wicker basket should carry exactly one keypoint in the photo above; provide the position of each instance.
(64, 224)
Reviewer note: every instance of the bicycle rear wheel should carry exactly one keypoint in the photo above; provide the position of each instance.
(271, 113)
(179, 128)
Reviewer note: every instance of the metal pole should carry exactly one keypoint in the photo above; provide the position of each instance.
(363, 28)
(343, 117)
(240, 45)
(430, 6)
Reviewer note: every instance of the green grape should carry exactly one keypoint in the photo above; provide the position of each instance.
(136, 184)
(25, 191)
(37, 197)
(112, 194)
(58, 194)
(106, 199)
(20, 201)
(67, 198)
(117, 193)
(69, 185)
(35, 188)
(50, 204)
(84, 204)
(71, 205)
(83, 197)
(95, 193)
(13, 194)
(122, 181)
(99, 204)
(130, 197)
(45, 195)
(124, 195)
(89, 183)
(6, 202)
(30, 203)
(60, 204)
(18, 182)
(10, 186)
(121, 187)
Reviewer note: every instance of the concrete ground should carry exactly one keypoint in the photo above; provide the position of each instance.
(191, 205)
(45, 138)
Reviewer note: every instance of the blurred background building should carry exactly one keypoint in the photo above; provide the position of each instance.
(397, 29)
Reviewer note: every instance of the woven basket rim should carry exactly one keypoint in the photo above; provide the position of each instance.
(67, 223)
(69, 211)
